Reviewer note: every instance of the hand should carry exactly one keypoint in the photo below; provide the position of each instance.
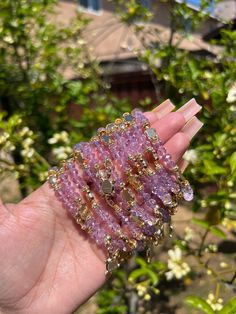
(47, 263)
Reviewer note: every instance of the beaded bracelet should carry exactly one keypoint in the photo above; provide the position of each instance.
(121, 187)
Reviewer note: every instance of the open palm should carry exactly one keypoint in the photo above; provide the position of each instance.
(47, 264)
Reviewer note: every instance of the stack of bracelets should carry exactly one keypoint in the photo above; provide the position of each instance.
(121, 187)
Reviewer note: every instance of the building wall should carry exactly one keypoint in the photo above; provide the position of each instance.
(161, 9)
(111, 39)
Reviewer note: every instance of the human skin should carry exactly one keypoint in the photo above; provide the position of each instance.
(48, 265)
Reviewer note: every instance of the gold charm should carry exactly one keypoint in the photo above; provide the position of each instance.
(107, 187)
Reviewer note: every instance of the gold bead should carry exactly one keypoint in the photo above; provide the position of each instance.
(150, 172)
(90, 196)
(78, 200)
(118, 121)
(101, 131)
(79, 157)
(111, 127)
(85, 214)
(146, 125)
(53, 180)
(117, 208)
(122, 185)
(85, 188)
(94, 138)
(175, 168)
(107, 239)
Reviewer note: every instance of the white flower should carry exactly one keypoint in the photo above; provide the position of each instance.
(177, 268)
(191, 155)
(156, 62)
(147, 297)
(215, 303)
(27, 152)
(141, 290)
(8, 39)
(9, 146)
(228, 205)
(212, 248)
(223, 265)
(207, 75)
(27, 142)
(175, 254)
(229, 224)
(63, 137)
(52, 140)
(61, 152)
(24, 131)
(42, 77)
(231, 97)
(15, 23)
(3, 137)
(188, 234)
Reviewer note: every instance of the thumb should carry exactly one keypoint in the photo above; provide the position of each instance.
(4, 212)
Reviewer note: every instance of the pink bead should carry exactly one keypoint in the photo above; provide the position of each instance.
(187, 193)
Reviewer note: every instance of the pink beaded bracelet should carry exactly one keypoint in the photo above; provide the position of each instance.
(121, 187)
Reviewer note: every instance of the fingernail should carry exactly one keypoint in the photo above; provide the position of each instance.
(163, 109)
(190, 109)
(151, 116)
(160, 111)
(183, 164)
(192, 127)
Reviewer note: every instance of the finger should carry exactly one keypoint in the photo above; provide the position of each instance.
(183, 164)
(4, 212)
(160, 111)
(179, 143)
(175, 121)
(192, 127)
(163, 109)
(190, 109)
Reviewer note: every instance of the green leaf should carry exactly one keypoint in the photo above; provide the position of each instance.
(229, 307)
(212, 168)
(135, 274)
(141, 262)
(200, 222)
(232, 162)
(159, 266)
(144, 272)
(153, 277)
(199, 303)
(218, 232)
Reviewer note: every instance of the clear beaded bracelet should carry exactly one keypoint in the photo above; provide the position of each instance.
(121, 187)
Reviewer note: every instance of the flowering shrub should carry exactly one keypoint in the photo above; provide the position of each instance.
(35, 96)
(195, 270)
(200, 261)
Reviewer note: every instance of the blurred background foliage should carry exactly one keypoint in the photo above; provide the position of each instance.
(37, 130)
